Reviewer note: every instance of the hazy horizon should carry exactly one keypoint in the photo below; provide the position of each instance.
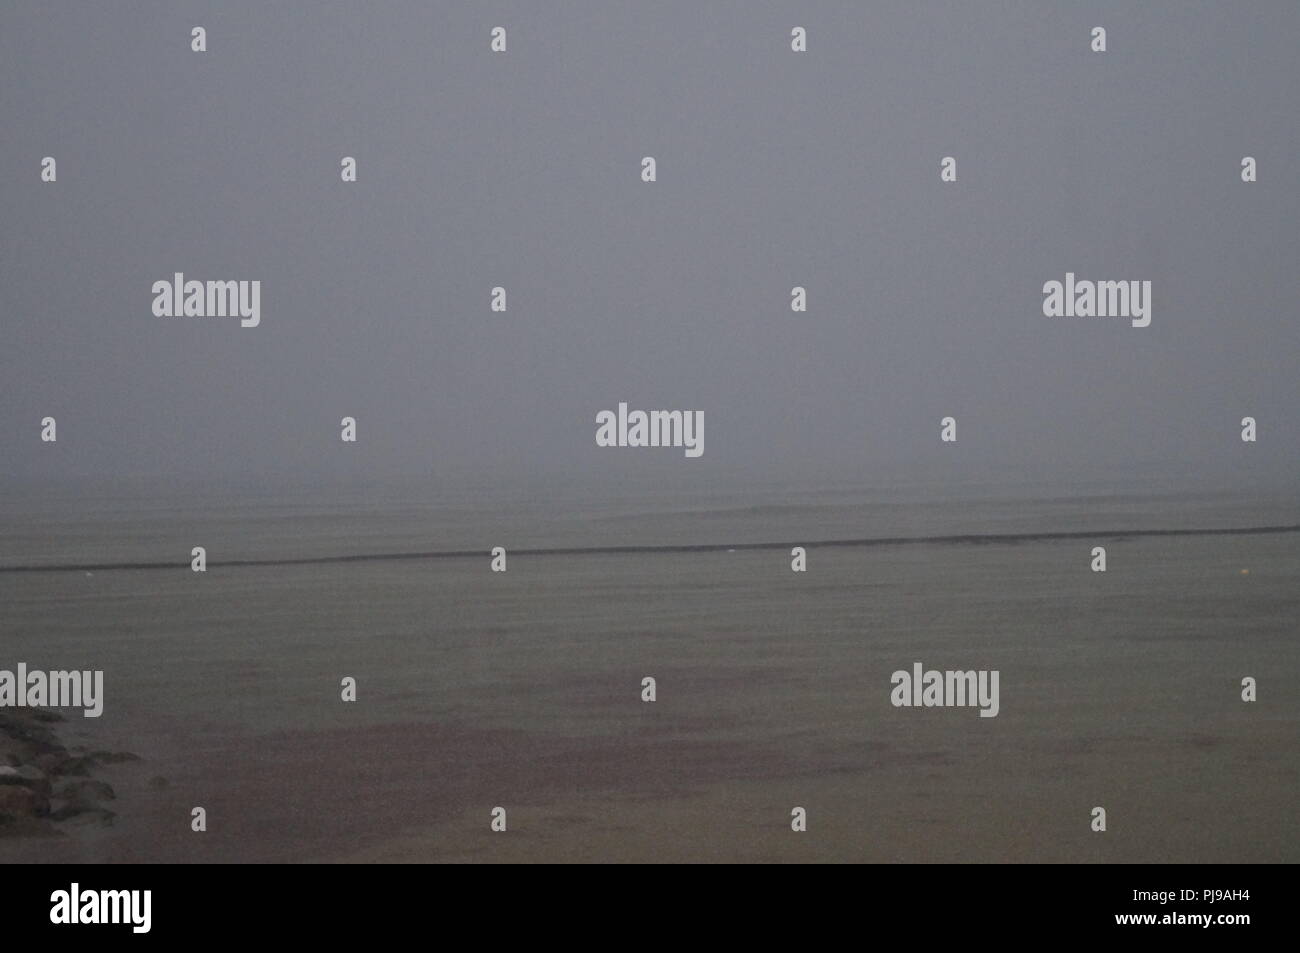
(520, 170)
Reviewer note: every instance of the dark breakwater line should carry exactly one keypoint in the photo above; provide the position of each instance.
(969, 539)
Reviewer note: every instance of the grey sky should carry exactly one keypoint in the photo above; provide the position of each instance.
(775, 169)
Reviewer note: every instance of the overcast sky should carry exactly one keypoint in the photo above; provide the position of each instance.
(775, 169)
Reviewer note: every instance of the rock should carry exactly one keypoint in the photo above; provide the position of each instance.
(12, 751)
(27, 775)
(82, 814)
(22, 802)
(33, 761)
(51, 762)
(26, 731)
(113, 757)
(79, 766)
(85, 791)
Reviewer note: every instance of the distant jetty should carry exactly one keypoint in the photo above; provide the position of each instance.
(988, 539)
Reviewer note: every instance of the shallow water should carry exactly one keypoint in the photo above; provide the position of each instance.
(522, 689)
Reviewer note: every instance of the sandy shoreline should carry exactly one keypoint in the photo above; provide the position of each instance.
(403, 793)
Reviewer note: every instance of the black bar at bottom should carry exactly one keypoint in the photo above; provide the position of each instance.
(333, 904)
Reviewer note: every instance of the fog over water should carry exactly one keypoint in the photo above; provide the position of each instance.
(522, 171)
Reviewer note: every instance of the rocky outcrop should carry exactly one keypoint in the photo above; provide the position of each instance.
(44, 784)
